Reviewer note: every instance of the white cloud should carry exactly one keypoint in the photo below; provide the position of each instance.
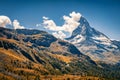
(50, 24)
(45, 17)
(4, 20)
(37, 25)
(75, 16)
(17, 25)
(70, 24)
(59, 34)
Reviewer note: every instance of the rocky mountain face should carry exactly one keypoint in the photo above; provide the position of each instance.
(95, 44)
(117, 43)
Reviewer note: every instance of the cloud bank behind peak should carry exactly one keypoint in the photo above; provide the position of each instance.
(71, 22)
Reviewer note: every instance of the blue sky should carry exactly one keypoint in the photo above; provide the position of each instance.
(103, 15)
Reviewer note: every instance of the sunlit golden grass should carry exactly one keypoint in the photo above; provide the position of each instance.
(12, 54)
(8, 40)
(61, 57)
(24, 69)
(56, 47)
(66, 59)
(5, 77)
(69, 77)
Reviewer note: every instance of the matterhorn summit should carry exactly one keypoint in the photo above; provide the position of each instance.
(95, 44)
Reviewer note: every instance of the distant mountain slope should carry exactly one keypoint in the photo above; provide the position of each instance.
(94, 43)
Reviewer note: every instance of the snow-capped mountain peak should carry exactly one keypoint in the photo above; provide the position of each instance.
(94, 43)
